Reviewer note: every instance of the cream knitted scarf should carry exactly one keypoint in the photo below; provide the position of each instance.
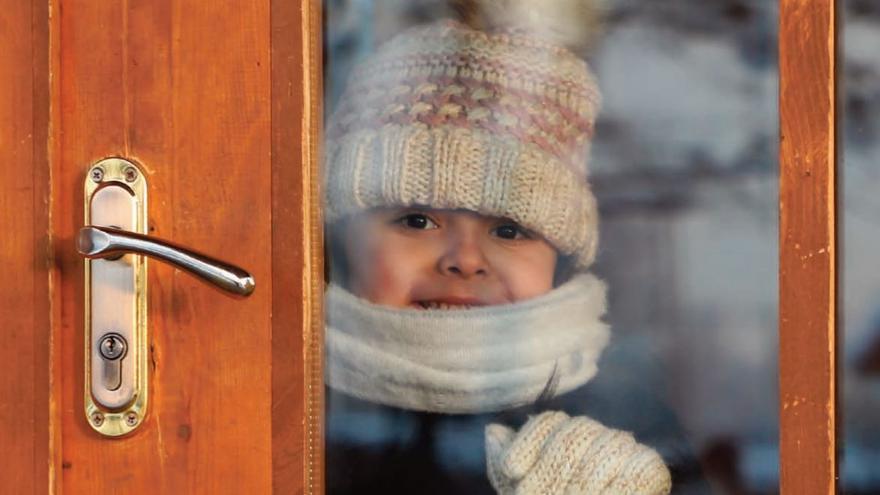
(466, 361)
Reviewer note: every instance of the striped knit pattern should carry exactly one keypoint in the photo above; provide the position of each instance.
(448, 117)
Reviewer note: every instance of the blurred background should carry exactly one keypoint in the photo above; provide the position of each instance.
(685, 169)
(860, 167)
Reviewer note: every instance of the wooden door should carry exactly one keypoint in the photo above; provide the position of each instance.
(219, 103)
(216, 102)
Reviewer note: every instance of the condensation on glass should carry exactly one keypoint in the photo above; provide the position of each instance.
(683, 168)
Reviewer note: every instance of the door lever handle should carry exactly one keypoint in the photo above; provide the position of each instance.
(116, 331)
(107, 242)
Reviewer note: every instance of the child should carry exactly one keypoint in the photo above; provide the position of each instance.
(461, 226)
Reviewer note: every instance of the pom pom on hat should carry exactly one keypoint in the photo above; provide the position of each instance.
(574, 24)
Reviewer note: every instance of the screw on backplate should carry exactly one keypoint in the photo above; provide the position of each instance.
(97, 174)
(131, 419)
(131, 174)
(97, 419)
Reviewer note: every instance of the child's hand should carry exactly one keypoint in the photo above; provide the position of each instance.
(556, 454)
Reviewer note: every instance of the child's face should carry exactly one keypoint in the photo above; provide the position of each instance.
(443, 259)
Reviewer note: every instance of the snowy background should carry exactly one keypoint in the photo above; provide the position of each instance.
(860, 463)
(685, 169)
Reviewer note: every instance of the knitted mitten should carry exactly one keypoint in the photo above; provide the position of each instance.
(556, 454)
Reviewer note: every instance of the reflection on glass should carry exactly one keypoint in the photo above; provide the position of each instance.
(469, 346)
(860, 359)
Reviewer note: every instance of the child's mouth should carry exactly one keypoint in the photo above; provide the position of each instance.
(441, 305)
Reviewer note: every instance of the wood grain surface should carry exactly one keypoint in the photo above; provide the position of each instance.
(26, 433)
(808, 247)
(182, 88)
(297, 313)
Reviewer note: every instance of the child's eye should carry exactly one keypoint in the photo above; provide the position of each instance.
(418, 221)
(510, 231)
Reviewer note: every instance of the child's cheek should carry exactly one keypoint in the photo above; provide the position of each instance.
(529, 272)
(384, 283)
(382, 274)
(533, 285)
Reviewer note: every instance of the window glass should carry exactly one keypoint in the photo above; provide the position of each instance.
(547, 228)
(860, 356)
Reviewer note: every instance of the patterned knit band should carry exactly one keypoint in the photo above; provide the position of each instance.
(445, 116)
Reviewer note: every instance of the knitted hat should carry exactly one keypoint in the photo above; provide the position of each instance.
(496, 120)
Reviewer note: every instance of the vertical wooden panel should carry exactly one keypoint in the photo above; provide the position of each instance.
(26, 432)
(184, 89)
(808, 250)
(297, 314)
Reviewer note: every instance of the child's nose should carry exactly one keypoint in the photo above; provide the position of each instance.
(464, 258)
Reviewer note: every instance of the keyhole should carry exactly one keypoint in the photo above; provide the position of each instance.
(112, 348)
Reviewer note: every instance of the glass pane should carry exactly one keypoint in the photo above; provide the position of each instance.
(860, 357)
(467, 347)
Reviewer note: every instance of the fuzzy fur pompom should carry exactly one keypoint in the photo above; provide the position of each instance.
(574, 24)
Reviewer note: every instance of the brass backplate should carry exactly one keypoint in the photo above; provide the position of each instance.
(116, 302)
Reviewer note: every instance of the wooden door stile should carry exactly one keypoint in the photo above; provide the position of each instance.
(808, 277)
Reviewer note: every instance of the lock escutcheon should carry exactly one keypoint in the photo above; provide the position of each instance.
(115, 302)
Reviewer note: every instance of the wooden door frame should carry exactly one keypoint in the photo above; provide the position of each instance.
(28, 432)
(808, 275)
(297, 226)
(808, 246)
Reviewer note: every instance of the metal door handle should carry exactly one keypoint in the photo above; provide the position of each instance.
(116, 245)
(106, 242)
